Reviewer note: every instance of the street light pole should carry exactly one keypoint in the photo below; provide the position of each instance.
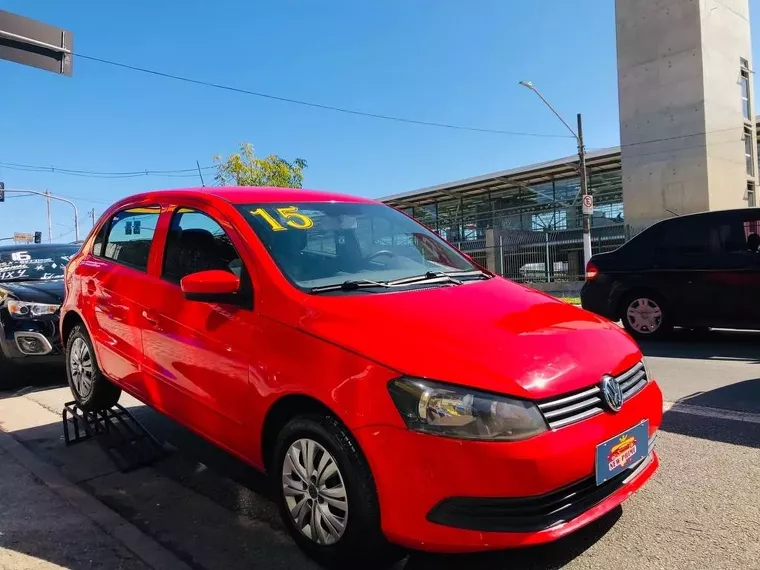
(581, 167)
(48, 196)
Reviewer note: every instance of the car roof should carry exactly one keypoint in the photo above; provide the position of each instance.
(713, 214)
(253, 195)
(719, 214)
(30, 246)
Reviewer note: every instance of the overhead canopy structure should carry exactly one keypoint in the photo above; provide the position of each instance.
(605, 160)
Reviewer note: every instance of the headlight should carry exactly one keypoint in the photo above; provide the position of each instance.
(459, 412)
(25, 310)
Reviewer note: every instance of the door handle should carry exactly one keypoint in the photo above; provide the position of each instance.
(150, 317)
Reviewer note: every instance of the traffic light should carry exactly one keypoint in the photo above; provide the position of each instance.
(37, 237)
(2, 191)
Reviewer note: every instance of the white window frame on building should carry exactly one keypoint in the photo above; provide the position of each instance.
(746, 86)
(749, 151)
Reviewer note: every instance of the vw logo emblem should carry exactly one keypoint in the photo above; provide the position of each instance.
(612, 393)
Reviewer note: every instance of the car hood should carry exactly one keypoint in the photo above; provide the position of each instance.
(493, 335)
(47, 291)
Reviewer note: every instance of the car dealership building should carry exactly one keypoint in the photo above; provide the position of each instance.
(688, 144)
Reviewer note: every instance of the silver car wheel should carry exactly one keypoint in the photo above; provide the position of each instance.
(314, 491)
(644, 315)
(81, 368)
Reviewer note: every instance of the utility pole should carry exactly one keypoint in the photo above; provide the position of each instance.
(584, 192)
(49, 217)
(92, 215)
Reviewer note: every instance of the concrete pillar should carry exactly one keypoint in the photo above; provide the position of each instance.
(681, 114)
(492, 250)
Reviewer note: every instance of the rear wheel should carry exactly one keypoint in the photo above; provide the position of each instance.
(645, 315)
(92, 391)
(327, 495)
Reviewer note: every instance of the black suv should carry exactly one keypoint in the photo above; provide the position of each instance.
(31, 292)
(695, 271)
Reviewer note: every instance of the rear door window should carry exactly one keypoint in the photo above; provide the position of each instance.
(130, 237)
(685, 237)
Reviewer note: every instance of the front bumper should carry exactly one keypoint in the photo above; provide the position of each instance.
(447, 495)
(45, 332)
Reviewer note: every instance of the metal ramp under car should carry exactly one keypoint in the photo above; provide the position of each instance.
(126, 442)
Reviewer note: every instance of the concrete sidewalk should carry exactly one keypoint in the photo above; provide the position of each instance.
(47, 522)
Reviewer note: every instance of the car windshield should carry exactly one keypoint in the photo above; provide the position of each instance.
(322, 244)
(35, 263)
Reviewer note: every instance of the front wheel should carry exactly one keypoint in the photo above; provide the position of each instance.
(646, 316)
(92, 391)
(327, 497)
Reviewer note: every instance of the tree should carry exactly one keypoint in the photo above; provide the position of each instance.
(244, 168)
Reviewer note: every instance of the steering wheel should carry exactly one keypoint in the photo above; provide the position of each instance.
(372, 256)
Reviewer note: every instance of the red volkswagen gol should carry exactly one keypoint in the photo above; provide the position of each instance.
(397, 393)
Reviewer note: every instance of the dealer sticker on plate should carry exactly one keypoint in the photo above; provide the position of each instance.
(621, 452)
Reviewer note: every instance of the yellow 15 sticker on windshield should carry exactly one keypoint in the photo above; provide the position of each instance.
(292, 218)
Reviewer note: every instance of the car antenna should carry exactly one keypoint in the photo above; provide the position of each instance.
(672, 212)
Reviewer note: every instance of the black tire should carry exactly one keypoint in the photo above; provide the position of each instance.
(652, 300)
(362, 544)
(103, 393)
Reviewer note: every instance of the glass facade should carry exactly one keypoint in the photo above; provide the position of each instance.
(546, 206)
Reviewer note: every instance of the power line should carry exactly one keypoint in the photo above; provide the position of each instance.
(177, 173)
(193, 172)
(312, 104)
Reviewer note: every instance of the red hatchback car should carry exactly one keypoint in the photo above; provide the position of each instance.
(397, 393)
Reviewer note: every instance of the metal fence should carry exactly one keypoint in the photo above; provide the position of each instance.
(544, 257)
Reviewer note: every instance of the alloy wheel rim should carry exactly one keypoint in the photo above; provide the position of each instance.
(80, 366)
(644, 315)
(314, 491)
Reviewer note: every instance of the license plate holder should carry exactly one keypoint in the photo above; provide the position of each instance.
(620, 452)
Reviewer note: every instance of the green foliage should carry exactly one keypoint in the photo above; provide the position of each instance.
(245, 169)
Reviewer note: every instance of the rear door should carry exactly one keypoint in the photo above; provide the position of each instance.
(114, 289)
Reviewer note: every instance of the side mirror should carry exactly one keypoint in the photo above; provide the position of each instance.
(215, 286)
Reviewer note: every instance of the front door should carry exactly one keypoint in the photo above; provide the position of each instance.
(701, 267)
(197, 353)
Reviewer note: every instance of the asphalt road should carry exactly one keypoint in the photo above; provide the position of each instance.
(700, 511)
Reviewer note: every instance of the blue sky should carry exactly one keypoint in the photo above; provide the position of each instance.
(431, 60)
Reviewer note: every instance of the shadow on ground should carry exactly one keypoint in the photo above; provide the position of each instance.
(14, 378)
(230, 521)
(226, 491)
(743, 397)
(712, 345)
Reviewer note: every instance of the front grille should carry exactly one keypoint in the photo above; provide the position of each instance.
(571, 408)
(531, 514)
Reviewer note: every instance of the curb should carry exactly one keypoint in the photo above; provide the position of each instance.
(144, 547)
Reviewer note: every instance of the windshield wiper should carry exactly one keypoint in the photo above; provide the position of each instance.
(440, 276)
(350, 285)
